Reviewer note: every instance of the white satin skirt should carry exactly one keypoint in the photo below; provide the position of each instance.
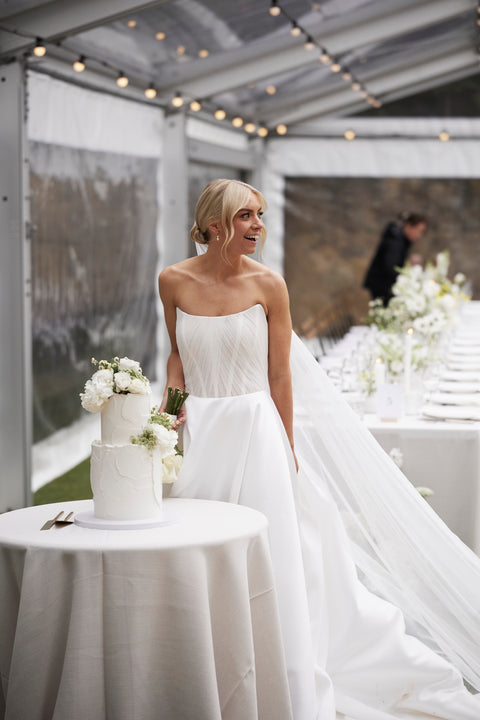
(346, 650)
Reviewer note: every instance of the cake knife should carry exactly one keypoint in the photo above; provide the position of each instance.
(49, 523)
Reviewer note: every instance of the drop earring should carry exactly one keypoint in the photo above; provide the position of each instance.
(217, 238)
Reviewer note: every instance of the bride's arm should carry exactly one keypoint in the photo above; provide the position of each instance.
(175, 377)
(279, 339)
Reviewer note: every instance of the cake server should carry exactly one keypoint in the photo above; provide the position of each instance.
(49, 523)
(65, 521)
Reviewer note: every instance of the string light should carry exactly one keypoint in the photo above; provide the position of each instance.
(203, 53)
(356, 85)
(274, 10)
(346, 75)
(335, 67)
(132, 23)
(39, 50)
(181, 50)
(177, 101)
(349, 135)
(220, 114)
(377, 103)
(79, 65)
(444, 136)
(250, 127)
(295, 30)
(271, 89)
(262, 131)
(122, 80)
(195, 105)
(150, 92)
(237, 122)
(309, 44)
(160, 35)
(325, 58)
(281, 129)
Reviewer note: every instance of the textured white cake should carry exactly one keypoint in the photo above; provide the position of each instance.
(126, 479)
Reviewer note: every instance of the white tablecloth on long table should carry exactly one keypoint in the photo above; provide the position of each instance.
(175, 622)
(444, 456)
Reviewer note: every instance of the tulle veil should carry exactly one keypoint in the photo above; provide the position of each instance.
(403, 551)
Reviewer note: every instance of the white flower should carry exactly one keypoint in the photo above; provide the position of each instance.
(459, 279)
(126, 364)
(448, 303)
(139, 387)
(166, 439)
(397, 456)
(95, 394)
(171, 466)
(103, 377)
(123, 381)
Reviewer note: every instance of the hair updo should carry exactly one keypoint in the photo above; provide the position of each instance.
(219, 202)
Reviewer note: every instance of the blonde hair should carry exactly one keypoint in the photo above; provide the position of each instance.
(220, 201)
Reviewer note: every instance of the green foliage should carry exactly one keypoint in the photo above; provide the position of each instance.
(73, 485)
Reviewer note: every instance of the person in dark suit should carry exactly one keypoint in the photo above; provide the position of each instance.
(391, 254)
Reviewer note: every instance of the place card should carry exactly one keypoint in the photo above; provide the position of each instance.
(389, 402)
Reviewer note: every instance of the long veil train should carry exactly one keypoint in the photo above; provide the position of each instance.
(403, 551)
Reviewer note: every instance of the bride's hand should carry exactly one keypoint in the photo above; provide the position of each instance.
(181, 417)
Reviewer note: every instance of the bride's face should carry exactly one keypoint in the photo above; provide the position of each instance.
(247, 225)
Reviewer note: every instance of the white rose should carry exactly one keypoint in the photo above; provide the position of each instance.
(459, 278)
(139, 387)
(103, 377)
(171, 466)
(166, 439)
(95, 395)
(126, 364)
(122, 381)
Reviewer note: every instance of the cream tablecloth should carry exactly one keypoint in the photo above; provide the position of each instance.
(174, 623)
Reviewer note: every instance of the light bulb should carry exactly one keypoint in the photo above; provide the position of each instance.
(274, 10)
(356, 85)
(349, 135)
(295, 30)
(79, 65)
(309, 44)
(335, 67)
(122, 80)
(195, 106)
(150, 92)
(220, 114)
(325, 58)
(444, 136)
(177, 101)
(346, 75)
(271, 89)
(250, 127)
(132, 23)
(363, 93)
(237, 122)
(181, 50)
(377, 103)
(160, 35)
(39, 50)
(203, 53)
(262, 131)
(281, 129)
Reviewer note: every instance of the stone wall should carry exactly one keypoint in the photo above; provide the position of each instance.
(333, 225)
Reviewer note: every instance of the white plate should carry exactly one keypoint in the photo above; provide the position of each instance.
(450, 386)
(451, 412)
(88, 520)
(439, 398)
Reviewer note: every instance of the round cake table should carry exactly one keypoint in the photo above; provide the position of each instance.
(174, 622)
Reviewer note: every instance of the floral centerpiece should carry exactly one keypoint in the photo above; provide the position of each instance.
(423, 298)
(119, 375)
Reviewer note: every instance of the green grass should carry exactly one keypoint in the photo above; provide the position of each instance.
(73, 485)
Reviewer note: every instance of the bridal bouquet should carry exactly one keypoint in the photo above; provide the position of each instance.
(159, 435)
(119, 375)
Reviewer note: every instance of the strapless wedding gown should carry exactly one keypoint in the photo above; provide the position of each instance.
(347, 653)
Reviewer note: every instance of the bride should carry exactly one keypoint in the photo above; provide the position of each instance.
(357, 553)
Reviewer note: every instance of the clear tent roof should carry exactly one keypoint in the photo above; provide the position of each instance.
(234, 55)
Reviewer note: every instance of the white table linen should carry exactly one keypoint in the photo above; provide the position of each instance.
(444, 456)
(179, 621)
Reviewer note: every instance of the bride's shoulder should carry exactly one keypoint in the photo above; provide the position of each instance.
(174, 273)
(269, 279)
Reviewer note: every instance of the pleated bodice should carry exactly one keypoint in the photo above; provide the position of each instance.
(226, 355)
